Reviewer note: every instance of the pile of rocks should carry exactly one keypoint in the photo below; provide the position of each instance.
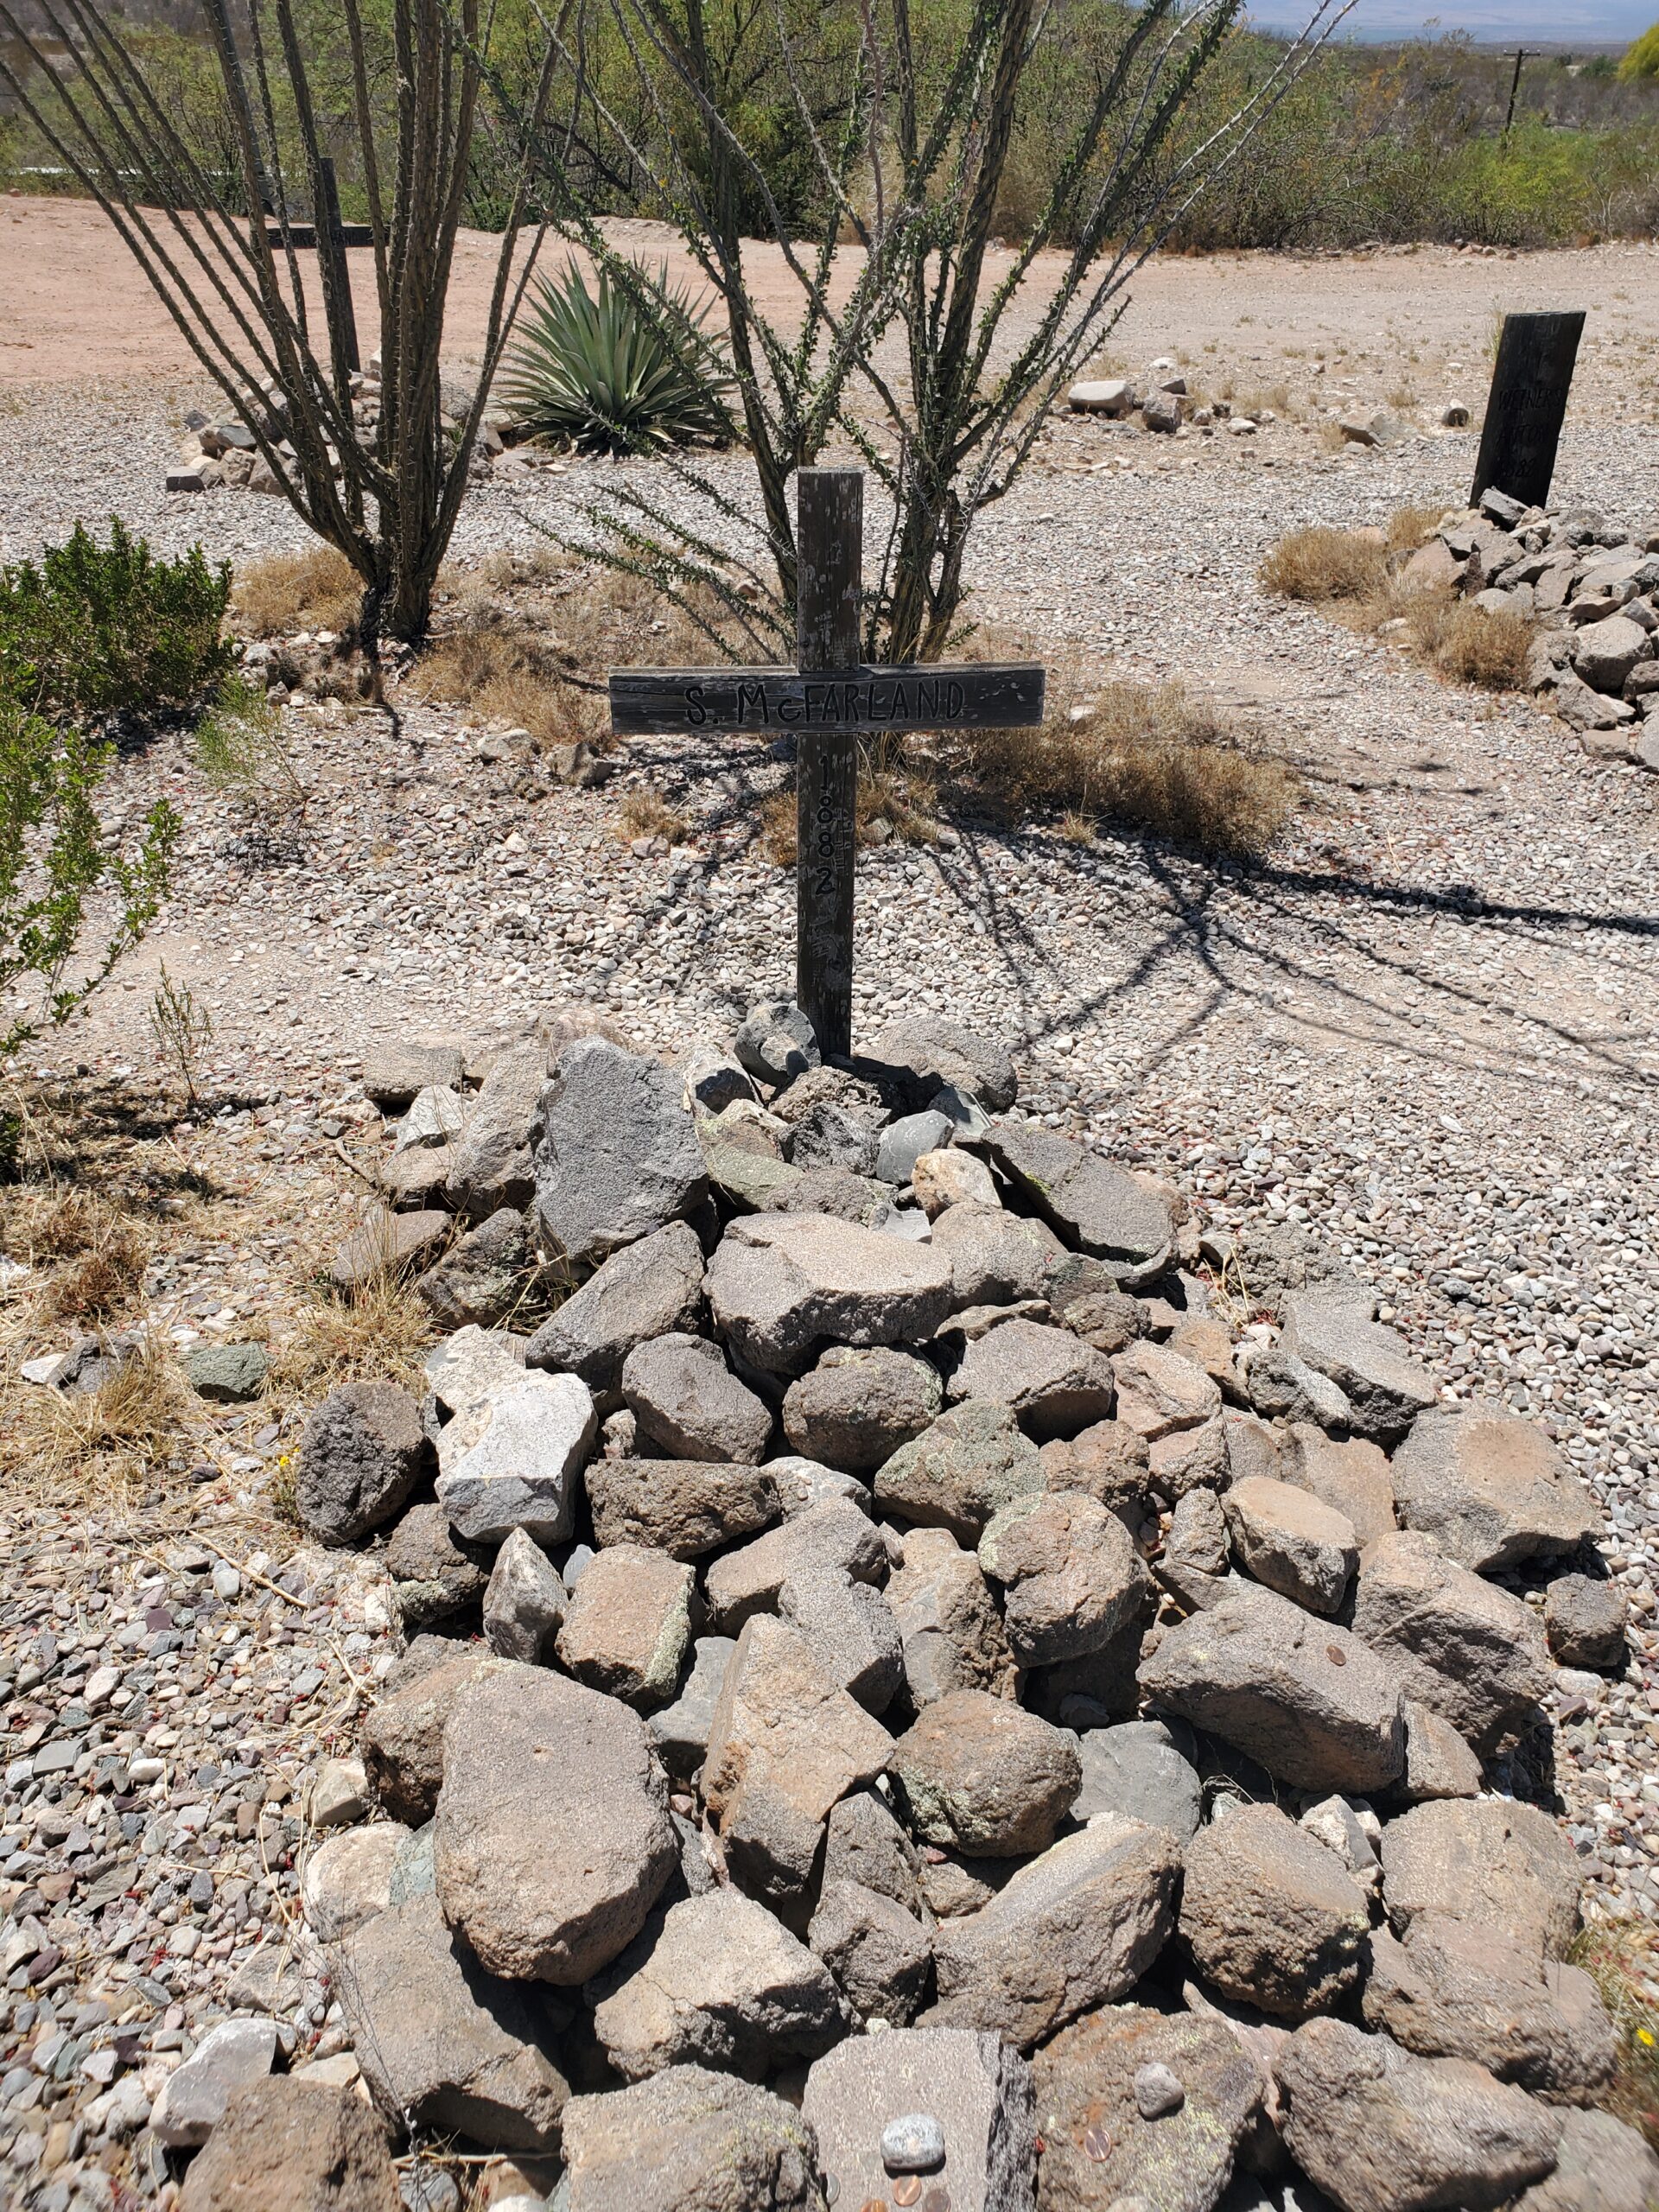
(1164, 407)
(955, 1722)
(1593, 591)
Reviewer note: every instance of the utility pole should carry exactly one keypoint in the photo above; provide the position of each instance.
(1515, 87)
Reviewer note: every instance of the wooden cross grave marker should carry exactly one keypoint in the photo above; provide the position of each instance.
(826, 701)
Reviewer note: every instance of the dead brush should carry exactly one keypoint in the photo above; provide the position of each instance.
(99, 1443)
(1319, 565)
(100, 1254)
(1487, 649)
(1150, 757)
(382, 1332)
(1621, 1956)
(318, 589)
(1408, 528)
(644, 813)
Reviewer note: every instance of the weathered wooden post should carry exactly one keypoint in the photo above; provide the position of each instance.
(829, 540)
(1527, 405)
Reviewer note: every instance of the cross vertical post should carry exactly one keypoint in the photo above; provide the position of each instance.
(337, 282)
(829, 536)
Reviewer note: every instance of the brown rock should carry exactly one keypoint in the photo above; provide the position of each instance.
(286, 2146)
(1274, 1918)
(1158, 1391)
(1491, 1490)
(1351, 1478)
(627, 1624)
(982, 1775)
(683, 1507)
(1488, 1859)
(1069, 1575)
(402, 1735)
(953, 1633)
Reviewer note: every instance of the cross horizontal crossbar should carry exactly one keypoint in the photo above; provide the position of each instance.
(662, 702)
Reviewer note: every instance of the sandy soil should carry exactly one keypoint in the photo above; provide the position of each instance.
(78, 309)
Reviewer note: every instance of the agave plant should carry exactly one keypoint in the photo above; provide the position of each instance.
(608, 372)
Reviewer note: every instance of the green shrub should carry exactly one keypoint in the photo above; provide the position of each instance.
(101, 630)
(241, 751)
(1642, 60)
(54, 859)
(612, 373)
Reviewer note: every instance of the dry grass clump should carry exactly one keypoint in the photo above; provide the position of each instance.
(1150, 757)
(645, 813)
(1622, 1958)
(1319, 565)
(318, 589)
(115, 1440)
(97, 1253)
(1489, 650)
(380, 1333)
(1409, 527)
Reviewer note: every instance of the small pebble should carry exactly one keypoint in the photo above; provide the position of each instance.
(1158, 2090)
(913, 2145)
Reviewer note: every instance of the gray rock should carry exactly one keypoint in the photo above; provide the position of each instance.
(982, 1775)
(227, 1375)
(803, 1483)
(1053, 1382)
(1273, 1918)
(1606, 652)
(347, 1878)
(192, 2099)
(776, 1042)
(1196, 1552)
(837, 1536)
(432, 1576)
(553, 1838)
(724, 1984)
(866, 1848)
(1370, 1365)
(471, 1366)
(1459, 1989)
(951, 1631)
(786, 1743)
(627, 1626)
(1316, 1706)
(1069, 1572)
(362, 1453)
(1383, 2132)
(1138, 1769)
(652, 1288)
(879, 1954)
(1466, 1649)
(714, 1080)
(402, 1734)
(852, 1631)
(1601, 2165)
(1160, 1392)
(1490, 1859)
(524, 1602)
(903, 1141)
(781, 1283)
(1284, 1387)
(1095, 1207)
(684, 1507)
(386, 1246)
(1584, 1621)
(1491, 1489)
(688, 1402)
(680, 1731)
(436, 1114)
(484, 1275)
(687, 2140)
(394, 1075)
(976, 2090)
(971, 1462)
(1075, 1927)
(492, 1162)
(442, 2042)
(1439, 1761)
(857, 1408)
(935, 1051)
(1101, 2146)
(1290, 1542)
(618, 1157)
(513, 1459)
(1351, 1478)
(995, 1258)
(305, 2147)
(913, 2143)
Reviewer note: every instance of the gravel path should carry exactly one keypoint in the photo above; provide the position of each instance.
(1427, 1029)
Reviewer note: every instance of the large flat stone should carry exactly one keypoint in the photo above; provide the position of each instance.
(1095, 1207)
(648, 1289)
(724, 1985)
(781, 1284)
(934, 1051)
(618, 1157)
(1466, 1649)
(689, 2140)
(289, 2145)
(1073, 1928)
(553, 1839)
(1314, 1706)
(1489, 1488)
(513, 1459)
(973, 2085)
(443, 2044)
(1490, 1860)
(683, 1507)
(1371, 1365)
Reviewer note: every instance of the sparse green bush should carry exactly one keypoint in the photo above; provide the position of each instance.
(241, 751)
(101, 630)
(54, 859)
(615, 373)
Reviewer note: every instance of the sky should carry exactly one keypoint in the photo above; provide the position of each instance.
(1561, 22)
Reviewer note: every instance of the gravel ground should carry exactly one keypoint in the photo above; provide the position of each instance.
(1422, 1029)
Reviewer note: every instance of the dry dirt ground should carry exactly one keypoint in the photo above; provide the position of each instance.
(1427, 1027)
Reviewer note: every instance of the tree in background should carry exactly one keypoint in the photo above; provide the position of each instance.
(903, 346)
(404, 79)
(1642, 60)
